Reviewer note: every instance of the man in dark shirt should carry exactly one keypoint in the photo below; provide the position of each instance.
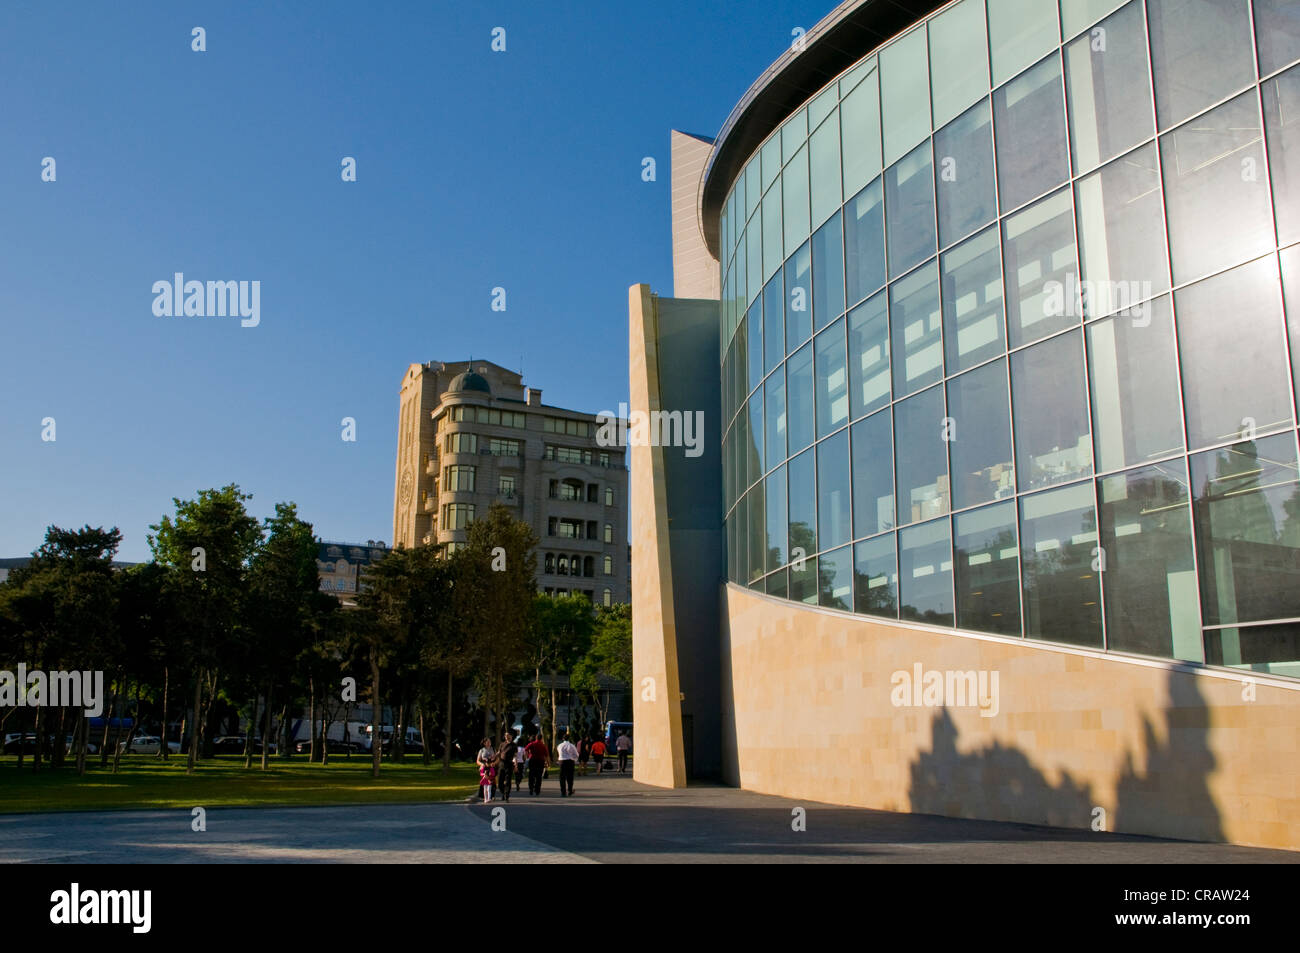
(539, 759)
(506, 765)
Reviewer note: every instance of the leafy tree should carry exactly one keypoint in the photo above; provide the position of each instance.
(561, 636)
(610, 655)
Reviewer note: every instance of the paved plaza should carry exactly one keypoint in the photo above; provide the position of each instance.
(611, 819)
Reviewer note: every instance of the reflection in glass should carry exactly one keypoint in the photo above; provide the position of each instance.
(860, 132)
(754, 255)
(1247, 506)
(777, 585)
(909, 210)
(773, 320)
(757, 531)
(1041, 273)
(1029, 116)
(1234, 371)
(832, 380)
(803, 581)
(1210, 189)
(774, 411)
(963, 159)
(1261, 648)
(828, 273)
(1200, 52)
(777, 518)
(916, 330)
(1277, 33)
(1050, 411)
(875, 577)
(980, 444)
(798, 298)
(756, 435)
(740, 454)
(873, 476)
(864, 242)
(1121, 234)
(835, 579)
(1109, 89)
(794, 189)
(1146, 533)
(1290, 258)
(971, 276)
(1020, 31)
(921, 457)
(1282, 120)
(959, 63)
(824, 169)
(868, 356)
(987, 569)
(834, 505)
(754, 343)
(740, 543)
(1058, 536)
(1077, 14)
(771, 232)
(925, 573)
(799, 398)
(1133, 375)
(905, 93)
(802, 506)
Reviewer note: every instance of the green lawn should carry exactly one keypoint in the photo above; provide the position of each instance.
(144, 782)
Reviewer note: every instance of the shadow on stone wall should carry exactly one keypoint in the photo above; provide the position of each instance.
(1169, 796)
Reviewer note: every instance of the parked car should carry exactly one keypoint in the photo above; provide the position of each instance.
(26, 740)
(335, 746)
(91, 747)
(146, 744)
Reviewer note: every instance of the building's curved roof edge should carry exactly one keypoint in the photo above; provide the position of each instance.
(845, 35)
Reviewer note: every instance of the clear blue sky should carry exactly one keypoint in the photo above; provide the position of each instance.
(475, 169)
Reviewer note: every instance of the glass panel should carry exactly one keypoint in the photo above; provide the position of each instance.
(925, 573)
(1291, 294)
(799, 398)
(794, 188)
(757, 532)
(860, 130)
(980, 436)
(988, 569)
(1200, 53)
(832, 380)
(822, 106)
(828, 273)
(1109, 87)
(1234, 371)
(1029, 116)
(772, 247)
(777, 585)
(743, 297)
(873, 476)
(1058, 539)
(1277, 33)
(798, 297)
(1247, 502)
(1261, 648)
(824, 172)
(868, 356)
(856, 75)
(905, 93)
(909, 211)
(1215, 185)
(1121, 234)
(753, 186)
(921, 456)
(835, 579)
(1077, 14)
(1042, 275)
(963, 155)
(740, 565)
(803, 509)
(864, 242)
(916, 330)
(774, 410)
(1050, 413)
(754, 343)
(754, 255)
(1020, 31)
(777, 518)
(740, 454)
(959, 67)
(771, 160)
(834, 504)
(1282, 120)
(1146, 534)
(971, 277)
(803, 581)
(773, 322)
(793, 134)
(756, 435)
(875, 577)
(1133, 374)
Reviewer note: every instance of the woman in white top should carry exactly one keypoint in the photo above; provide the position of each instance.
(486, 768)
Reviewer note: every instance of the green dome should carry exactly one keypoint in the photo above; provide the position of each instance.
(469, 381)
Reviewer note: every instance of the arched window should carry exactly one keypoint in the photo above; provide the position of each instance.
(608, 598)
(550, 563)
(563, 568)
(577, 564)
(609, 565)
(589, 566)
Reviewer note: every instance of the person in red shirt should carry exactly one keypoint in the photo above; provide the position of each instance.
(539, 759)
(598, 755)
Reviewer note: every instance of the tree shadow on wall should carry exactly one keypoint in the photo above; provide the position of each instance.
(1168, 797)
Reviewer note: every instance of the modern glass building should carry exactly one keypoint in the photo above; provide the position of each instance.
(997, 305)
(1005, 312)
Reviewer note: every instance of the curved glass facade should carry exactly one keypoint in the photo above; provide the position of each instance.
(1006, 338)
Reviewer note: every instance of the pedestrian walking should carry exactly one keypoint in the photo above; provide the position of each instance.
(598, 755)
(623, 745)
(505, 765)
(584, 754)
(568, 753)
(487, 771)
(521, 764)
(539, 759)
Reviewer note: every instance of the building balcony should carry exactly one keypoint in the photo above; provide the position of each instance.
(431, 504)
(431, 468)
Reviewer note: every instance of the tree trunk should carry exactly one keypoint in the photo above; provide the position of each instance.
(376, 716)
(311, 718)
(194, 727)
(266, 727)
(79, 741)
(399, 727)
(248, 734)
(163, 750)
(424, 738)
(40, 742)
(108, 721)
(59, 753)
(446, 750)
(554, 714)
(283, 746)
